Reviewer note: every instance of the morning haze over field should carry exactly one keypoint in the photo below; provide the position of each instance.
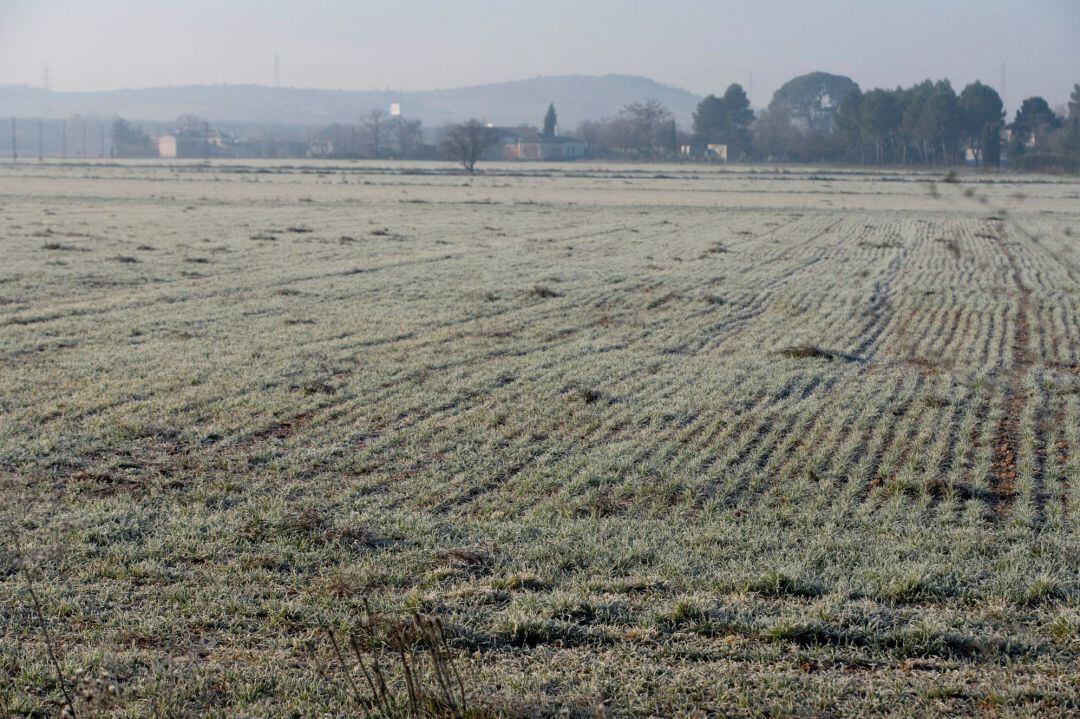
(426, 45)
(518, 359)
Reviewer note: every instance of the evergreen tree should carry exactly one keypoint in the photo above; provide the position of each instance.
(1033, 123)
(709, 118)
(550, 120)
(881, 117)
(1069, 142)
(739, 116)
(913, 101)
(130, 141)
(725, 120)
(849, 126)
(981, 107)
(990, 144)
(812, 100)
(942, 122)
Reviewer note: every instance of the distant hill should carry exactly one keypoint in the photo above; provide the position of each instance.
(576, 97)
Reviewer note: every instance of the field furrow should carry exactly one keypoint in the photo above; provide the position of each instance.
(704, 435)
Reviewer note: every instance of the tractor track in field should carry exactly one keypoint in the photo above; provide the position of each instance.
(1007, 437)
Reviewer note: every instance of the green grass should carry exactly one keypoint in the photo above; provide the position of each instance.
(831, 468)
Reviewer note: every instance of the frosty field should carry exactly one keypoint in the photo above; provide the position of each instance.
(751, 441)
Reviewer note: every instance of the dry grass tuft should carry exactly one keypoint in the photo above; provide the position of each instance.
(405, 668)
(814, 352)
(543, 291)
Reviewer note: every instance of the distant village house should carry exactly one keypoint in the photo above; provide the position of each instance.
(528, 143)
(167, 146)
(715, 152)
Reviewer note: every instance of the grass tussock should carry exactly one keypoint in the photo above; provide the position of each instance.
(778, 584)
(808, 351)
(401, 668)
(544, 292)
(61, 247)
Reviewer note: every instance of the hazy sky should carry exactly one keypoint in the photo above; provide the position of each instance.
(701, 45)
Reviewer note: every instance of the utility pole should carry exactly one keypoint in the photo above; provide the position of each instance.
(14, 147)
(84, 138)
(46, 101)
(206, 140)
(1004, 92)
(63, 139)
(40, 144)
(277, 88)
(101, 140)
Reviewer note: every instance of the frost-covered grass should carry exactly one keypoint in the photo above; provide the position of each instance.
(754, 441)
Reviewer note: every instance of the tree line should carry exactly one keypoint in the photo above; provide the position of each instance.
(817, 117)
(376, 135)
(827, 118)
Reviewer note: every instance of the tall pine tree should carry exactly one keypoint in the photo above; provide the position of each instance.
(550, 120)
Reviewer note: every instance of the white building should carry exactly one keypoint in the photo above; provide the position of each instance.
(166, 146)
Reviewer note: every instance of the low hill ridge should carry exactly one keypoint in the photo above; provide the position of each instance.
(576, 97)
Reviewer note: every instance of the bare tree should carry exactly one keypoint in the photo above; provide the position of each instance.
(591, 132)
(407, 133)
(649, 123)
(189, 124)
(466, 143)
(774, 134)
(376, 125)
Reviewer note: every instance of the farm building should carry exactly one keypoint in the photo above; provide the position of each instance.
(507, 137)
(547, 147)
(528, 143)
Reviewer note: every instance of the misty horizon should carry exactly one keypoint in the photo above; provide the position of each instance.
(423, 47)
(383, 90)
